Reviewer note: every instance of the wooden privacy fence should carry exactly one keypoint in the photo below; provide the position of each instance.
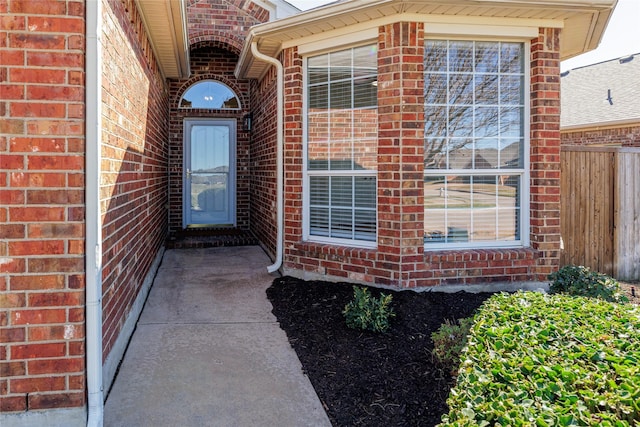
(600, 209)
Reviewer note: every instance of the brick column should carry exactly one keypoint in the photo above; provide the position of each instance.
(293, 167)
(545, 151)
(400, 150)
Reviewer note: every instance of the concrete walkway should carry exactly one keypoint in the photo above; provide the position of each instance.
(208, 352)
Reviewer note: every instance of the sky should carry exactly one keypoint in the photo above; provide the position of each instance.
(621, 38)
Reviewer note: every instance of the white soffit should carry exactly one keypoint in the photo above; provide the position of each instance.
(166, 25)
(583, 22)
(436, 26)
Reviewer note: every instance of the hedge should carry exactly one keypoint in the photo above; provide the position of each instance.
(549, 360)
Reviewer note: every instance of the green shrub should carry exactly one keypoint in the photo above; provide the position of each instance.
(367, 312)
(580, 281)
(448, 342)
(549, 360)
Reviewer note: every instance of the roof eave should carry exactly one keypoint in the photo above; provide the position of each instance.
(632, 121)
(262, 31)
(600, 20)
(166, 25)
(581, 33)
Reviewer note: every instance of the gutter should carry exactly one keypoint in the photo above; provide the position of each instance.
(318, 22)
(93, 242)
(279, 154)
(329, 12)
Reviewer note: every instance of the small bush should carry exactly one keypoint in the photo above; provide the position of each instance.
(367, 312)
(448, 342)
(549, 360)
(580, 281)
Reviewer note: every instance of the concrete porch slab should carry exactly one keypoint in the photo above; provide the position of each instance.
(207, 351)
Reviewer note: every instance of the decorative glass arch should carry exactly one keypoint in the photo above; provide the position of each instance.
(210, 94)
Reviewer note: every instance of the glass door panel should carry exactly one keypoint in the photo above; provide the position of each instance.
(209, 173)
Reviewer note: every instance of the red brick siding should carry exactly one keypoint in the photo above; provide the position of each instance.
(134, 163)
(400, 259)
(209, 61)
(263, 160)
(545, 152)
(41, 204)
(292, 147)
(225, 21)
(401, 149)
(626, 136)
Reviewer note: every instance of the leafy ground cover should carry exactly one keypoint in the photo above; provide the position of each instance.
(579, 280)
(366, 378)
(550, 360)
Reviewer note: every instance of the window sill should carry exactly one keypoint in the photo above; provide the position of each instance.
(336, 249)
(478, 254)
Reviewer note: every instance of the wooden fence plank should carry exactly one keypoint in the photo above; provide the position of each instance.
(600, 209)
(628, 216)
(586, 209)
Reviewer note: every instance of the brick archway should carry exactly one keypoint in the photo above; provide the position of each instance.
(219, 39)
(213, 59)
(223, 21)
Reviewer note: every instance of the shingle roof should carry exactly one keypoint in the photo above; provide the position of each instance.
(601, 94)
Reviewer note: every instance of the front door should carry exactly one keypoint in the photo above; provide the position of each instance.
(209, 173)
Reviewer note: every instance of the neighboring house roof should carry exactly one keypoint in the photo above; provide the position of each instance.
(603, 94)
(582, 22)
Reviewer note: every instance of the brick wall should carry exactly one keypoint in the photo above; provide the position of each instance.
(41, 205)
(400, 259)
(42, 357)
(263, 160)
(626, 136)
(225, 21)
(133, 186)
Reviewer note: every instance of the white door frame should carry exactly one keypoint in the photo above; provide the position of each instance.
(186, 169)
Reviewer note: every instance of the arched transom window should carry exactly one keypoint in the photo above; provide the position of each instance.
(210, 94)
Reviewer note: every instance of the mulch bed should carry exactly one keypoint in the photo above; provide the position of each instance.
(369, 379)
(365, 378)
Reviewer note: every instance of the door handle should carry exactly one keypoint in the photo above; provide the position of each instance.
(188, 173)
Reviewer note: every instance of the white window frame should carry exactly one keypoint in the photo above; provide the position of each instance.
(307, 174)
(217, 82)
(524, 173)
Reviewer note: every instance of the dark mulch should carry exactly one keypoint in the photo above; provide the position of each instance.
(365, 378)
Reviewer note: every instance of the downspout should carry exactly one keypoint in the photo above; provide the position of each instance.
(93, 247)
(279, 154)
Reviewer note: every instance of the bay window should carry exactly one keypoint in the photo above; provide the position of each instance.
(475, 159)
